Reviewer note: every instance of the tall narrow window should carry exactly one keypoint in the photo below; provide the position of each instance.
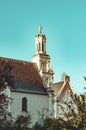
(24, 104)
(42, 47)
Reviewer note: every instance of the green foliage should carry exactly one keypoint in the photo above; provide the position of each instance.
(75, 117)
(48, 123)
(37, 126)
(5, 80)
(23, 121)
(58, 124)
(79, 120)
(54, 124)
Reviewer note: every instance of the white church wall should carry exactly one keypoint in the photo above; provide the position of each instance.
(51, 105)
(36, 104)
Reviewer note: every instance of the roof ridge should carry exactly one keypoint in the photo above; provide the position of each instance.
(63, 88)
(16, 60)
(58, 82)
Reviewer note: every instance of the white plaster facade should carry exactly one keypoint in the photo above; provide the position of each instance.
(37, 105)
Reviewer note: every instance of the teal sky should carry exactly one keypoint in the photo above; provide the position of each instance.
(64, 24)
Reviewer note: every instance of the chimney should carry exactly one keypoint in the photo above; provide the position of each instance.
(66, 78)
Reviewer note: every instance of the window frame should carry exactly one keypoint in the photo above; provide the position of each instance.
(24, 104)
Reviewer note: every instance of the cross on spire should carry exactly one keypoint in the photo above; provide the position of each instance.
(40, 29)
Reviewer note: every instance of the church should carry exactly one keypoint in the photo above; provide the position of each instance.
(33, 89)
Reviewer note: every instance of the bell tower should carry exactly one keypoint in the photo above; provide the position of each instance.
(40, 41)
(43, 59)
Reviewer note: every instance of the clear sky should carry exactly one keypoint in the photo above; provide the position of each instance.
(63, 23)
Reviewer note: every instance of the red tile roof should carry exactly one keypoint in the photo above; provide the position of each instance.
(24, 71)
(61, 87)
(57, 87)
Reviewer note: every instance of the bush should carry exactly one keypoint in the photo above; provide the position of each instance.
(23, 122)
(38, 126)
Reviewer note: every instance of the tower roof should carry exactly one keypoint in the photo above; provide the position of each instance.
(40, 33)
(40, 40)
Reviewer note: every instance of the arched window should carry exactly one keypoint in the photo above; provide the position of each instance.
(24, 104)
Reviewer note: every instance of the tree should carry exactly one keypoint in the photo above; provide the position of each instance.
(48, 122)
(75, 117)
(37, 126)
(54, 124)
(5, 80)
(84, 80)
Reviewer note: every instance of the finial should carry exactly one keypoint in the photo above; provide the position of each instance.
(40, 29)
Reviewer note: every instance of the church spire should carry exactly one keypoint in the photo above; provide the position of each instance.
(42, 59)
(40, 41)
